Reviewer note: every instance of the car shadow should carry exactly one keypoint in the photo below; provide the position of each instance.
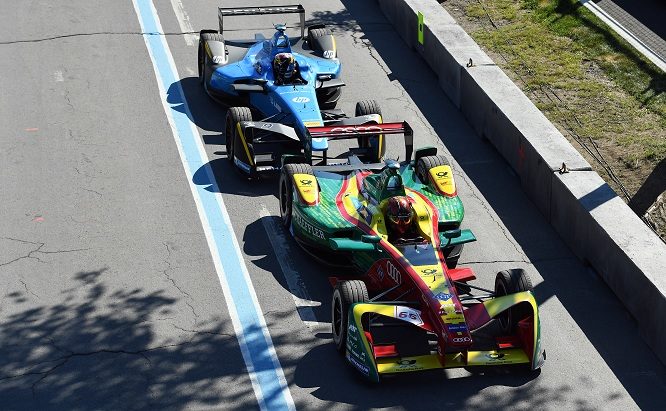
(501, 189)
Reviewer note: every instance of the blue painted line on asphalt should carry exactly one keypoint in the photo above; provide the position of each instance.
(263, 362)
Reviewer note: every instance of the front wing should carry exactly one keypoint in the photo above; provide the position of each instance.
(361, 354)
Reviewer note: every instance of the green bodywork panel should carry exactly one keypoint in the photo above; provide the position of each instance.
(323, 226)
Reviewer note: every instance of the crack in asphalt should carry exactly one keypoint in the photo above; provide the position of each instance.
(492, 216)
(173, 282)
(65, 359)
(25, 285)
(358, 42)
(37, 250)
(98, 33)
(92, 191)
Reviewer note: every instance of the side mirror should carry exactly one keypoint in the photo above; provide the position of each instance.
(371, 239)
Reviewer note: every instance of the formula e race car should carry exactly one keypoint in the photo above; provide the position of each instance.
(287, 84)
(404, 308)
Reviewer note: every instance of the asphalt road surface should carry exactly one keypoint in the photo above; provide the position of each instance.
(110, 296)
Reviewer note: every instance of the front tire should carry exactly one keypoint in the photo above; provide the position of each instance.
(426, 163)
(287, 189)
(345, 294)
(234, 116)
(511, 282)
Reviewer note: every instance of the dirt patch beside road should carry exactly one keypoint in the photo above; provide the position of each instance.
(605, 97)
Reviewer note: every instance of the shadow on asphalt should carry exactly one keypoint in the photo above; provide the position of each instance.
(46, 362)
(502, 190)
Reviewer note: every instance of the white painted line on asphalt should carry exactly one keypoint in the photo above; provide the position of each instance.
(255, 343)
(637, 43)
(299, 292)
(184, 22)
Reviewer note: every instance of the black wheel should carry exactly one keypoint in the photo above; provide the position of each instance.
(345, 294)
(364, 108)
(234, 115)
(426, 163)
(201, 61)
(287, 188)
(511, 282)
(202, 56)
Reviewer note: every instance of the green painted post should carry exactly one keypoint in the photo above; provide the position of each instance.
(420, 28)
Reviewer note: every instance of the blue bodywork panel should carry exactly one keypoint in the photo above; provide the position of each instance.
(299, 100)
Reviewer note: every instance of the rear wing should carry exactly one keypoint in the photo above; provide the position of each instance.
(353, 131)
(253, 11)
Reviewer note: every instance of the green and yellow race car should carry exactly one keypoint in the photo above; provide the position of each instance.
(400, 304)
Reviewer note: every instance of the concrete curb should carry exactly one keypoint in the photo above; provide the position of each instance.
(596, 224)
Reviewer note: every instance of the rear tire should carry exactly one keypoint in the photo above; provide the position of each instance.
(287, 189)
(511, 282)
(234, 116)
(364, 108)
(345, 294)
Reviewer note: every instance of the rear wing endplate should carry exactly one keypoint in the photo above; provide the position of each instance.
(253, 11)
(353, 131)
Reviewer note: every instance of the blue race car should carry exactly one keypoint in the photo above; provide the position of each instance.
(287, 85)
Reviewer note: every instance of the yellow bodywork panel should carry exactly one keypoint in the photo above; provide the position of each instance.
(407, 364)
(497, 357)
(242, 139)
(442, 177)
(306, 184)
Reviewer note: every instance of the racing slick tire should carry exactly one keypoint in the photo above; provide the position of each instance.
(363, 108)
(321, 41)
(345, 294)
(423, 166)
(234, 116)
(510, 282)
(426, 163)
(202, 56)
(287, 189)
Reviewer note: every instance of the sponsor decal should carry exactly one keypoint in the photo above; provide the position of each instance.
(267, 125)
(461, 339)
(394, 273)
(329, 54)
(312, 123)
(300, 99)
(352, 328)
(218, 59)
(408, 365)
(409, 314)
(443, 296)
(361, 367)
(355, 129)
(495, 356)
(457, 328)
(429, 271)
(307, 227)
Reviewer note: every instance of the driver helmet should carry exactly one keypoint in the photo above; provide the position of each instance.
(284, 67)
(399, 214)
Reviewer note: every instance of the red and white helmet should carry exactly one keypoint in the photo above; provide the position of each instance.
(399, 214)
